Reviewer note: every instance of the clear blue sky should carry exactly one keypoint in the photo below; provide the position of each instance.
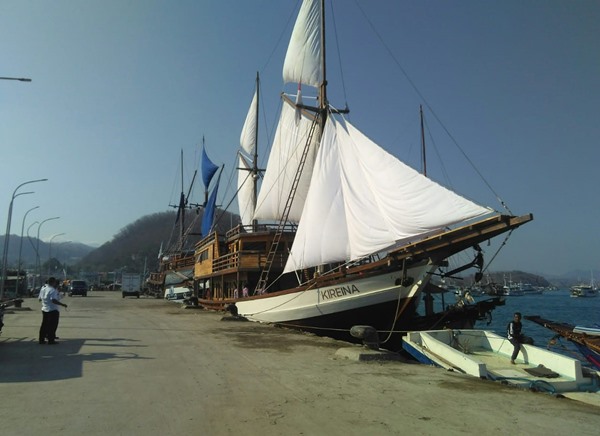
(120, 87)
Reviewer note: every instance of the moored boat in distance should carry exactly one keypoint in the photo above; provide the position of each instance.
(529, 289)
(511, 289)
(341, 233)
(585, 290)
(581, 291)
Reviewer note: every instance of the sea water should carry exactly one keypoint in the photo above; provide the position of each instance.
(557, 306)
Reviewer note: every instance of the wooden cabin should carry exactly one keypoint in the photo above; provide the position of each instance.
(224, 263)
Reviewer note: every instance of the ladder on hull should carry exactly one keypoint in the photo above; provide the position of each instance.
(264, 275)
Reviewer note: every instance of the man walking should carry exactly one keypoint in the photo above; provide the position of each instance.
(513, 332)
(50, 314)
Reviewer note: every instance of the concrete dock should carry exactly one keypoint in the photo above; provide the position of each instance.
(149, 367)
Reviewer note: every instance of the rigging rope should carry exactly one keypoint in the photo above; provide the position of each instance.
(418, 92)
(497, 251)
(339, 56)
(281, 35)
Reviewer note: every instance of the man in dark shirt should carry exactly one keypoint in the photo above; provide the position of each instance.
(513, 332)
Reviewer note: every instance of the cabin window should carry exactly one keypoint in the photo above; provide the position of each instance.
(255, 246)
(203, 256)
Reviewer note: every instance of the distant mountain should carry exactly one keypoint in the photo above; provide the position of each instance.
(517, 277)
(559, 281)
(574, 277)
(65, 252)
(500, 277)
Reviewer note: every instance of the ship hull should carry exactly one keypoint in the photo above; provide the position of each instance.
(377, 301)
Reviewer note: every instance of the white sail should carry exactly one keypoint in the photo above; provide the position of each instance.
(303, 58)
(248, 135)
(286, 152)
(245, 195)
(363, 200)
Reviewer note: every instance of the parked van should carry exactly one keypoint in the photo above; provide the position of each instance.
(78, 287)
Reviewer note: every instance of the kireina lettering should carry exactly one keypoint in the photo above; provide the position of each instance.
(327, 294)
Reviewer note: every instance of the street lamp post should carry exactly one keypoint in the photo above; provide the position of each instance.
(21, 247)
(37, 250)
(7, 234)
(62, 264)
(50, 249)
(20, 79)
(36, 253)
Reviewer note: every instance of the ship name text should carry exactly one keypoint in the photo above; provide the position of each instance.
(327, 294)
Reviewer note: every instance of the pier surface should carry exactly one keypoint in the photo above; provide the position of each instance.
(148, 367)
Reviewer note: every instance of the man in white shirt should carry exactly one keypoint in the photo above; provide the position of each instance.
(50, 314)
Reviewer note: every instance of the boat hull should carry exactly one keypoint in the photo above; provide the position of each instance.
(583, 293)
(177, 277)
(376, 301)
(587, 343)
(486, 355)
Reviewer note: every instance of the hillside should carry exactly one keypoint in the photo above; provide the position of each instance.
(517, 277)
(500, 277)
(138, 244)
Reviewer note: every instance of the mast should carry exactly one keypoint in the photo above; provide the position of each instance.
(255, 157)
(423, 153)
(206, 187)
(181, 207)
(323, 103)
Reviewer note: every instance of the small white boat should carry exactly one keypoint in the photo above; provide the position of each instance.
(529, 289)
(484, 354)
(583, 291)
(591, 331)
(177, 293)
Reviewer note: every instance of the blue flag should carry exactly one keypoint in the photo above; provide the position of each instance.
(208, 169)
(209, 210)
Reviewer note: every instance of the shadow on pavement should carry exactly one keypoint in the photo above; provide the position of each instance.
(24, 360)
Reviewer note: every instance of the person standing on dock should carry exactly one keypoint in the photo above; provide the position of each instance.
(513, 332)
(50, 314)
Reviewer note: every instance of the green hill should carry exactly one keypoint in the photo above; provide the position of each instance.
(136, 247)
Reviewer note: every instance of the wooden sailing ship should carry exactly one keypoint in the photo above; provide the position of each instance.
(341, 233)
(587, 340)
(175, 273)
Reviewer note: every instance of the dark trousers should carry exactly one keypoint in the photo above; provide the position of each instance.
(517, 344)
(49, 325)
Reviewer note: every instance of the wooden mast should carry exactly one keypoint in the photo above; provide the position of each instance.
(323, 103)
(254, 173)
(423, 153)
(181, 207)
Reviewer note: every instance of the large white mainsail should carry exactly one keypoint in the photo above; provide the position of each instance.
(303, 63)
(289, 142)
(363, 200)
